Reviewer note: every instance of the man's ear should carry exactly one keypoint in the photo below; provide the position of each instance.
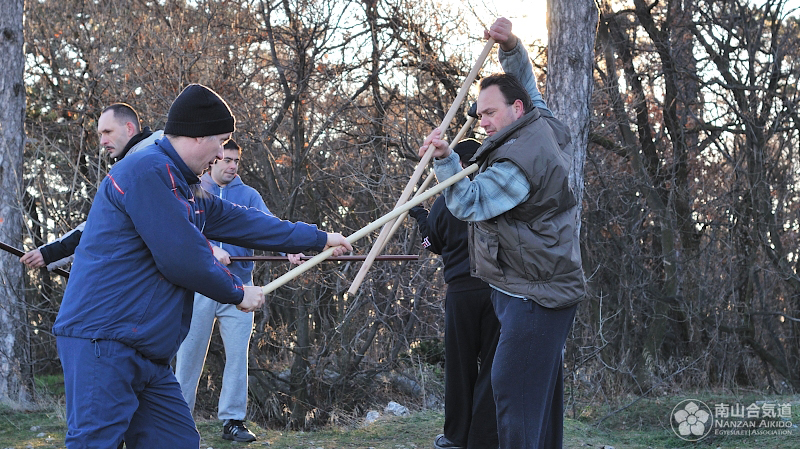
(519, 108)
(130, 129)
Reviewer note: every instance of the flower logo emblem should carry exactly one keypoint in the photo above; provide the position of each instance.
(691, 420)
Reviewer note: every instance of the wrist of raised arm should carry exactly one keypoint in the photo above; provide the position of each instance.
(510, 46)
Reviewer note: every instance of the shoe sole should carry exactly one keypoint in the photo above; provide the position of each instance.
(238, 440)
(436, 446)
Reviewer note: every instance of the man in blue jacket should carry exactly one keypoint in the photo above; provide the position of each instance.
(235, 327)
(128, 304)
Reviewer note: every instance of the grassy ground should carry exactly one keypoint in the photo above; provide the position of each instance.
(643, 425)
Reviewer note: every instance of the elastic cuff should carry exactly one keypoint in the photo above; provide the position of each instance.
(448, 160)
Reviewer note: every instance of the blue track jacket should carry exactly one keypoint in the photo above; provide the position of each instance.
(142, 254)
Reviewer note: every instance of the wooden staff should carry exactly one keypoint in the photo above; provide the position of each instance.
(401, 218)
(300, 269)
(462, 93)
(399, 222)
(20, 253)
(350, 258)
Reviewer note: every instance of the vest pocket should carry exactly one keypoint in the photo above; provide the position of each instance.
(486, 248)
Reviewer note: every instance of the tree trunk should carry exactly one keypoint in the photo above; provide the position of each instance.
(12, 131)
(572, 27)
(299, 377)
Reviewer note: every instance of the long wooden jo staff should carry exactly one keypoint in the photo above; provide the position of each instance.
(462, 93)
(300, 269)
(399, 222)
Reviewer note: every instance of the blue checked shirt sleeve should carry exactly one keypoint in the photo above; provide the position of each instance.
(497, 190)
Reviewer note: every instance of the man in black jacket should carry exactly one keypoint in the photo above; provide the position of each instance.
(120, 133)
(471, 328)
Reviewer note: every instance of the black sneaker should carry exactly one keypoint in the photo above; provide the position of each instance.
(441, 442)
(234, 430)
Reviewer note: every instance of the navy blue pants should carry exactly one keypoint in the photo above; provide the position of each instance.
(527, 373)
(470, 338)
(114, 392)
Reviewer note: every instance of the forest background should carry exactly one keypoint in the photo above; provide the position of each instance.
(690, 217)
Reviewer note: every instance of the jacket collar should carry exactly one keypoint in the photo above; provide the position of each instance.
(187, 173)
(146, 132)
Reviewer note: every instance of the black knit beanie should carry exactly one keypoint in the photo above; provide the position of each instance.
(466, 149)
(198, 112)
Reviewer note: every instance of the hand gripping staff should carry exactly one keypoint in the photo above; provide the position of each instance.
(300, 269)
(385, 232)
(20, 253)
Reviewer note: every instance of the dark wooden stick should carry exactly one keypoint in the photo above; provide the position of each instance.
(20, 253)
(332, 259)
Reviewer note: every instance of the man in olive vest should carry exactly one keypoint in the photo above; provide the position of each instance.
(522, 215)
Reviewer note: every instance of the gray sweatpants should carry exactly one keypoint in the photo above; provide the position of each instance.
(235, 327)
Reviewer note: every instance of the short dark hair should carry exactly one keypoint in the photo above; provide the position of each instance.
(511, 89)
(232, 145)
(124, 112)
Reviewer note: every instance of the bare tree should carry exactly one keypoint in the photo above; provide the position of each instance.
(571, 30)
(689, 226)
(758, 77)
(331, 100)
(13, 348)
(689, 222)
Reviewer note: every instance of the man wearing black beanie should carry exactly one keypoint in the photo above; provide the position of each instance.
(142, 256)
(199, 111)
